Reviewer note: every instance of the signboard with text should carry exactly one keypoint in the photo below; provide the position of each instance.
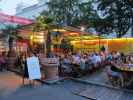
(51, 61)
(33, 68)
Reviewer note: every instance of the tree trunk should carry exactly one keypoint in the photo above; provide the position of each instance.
(10, 43)
(48, 44)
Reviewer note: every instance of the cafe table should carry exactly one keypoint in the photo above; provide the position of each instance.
(124, 67)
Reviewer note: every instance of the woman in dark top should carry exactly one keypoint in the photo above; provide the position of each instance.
(25, 67)
(26, 75)
(116, 73)
(114, 69)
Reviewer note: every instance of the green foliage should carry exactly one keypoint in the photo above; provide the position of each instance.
(42, 23)
(70, 12)
(87, 13)
(63, 11)
(103, 26)
(118, 15)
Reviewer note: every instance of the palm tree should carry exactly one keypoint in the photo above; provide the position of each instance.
(43, 23)
(11, 33)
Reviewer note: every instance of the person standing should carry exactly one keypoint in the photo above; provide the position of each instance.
(2, 62)
(25, 67)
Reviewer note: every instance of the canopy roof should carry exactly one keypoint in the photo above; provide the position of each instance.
(70, 33)
(14, 19)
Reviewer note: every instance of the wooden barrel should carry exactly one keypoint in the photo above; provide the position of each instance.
(50, 67)
(51, 72)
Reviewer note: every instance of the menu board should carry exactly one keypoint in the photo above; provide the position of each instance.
(33, 68)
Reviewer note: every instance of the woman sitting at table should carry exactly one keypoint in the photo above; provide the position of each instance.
(115, 74)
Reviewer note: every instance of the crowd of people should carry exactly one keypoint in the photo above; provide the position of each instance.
(85, 61)
(81, 63)
(89, 61)
(77, 64)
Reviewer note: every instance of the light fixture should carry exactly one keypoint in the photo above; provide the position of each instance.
(59, 30)
(82, 29)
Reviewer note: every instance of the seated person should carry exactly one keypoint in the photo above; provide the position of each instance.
(115, 73)
(66, 65)
(82, 63)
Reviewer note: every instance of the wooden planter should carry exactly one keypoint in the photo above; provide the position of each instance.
(51, 72)
(50, 68)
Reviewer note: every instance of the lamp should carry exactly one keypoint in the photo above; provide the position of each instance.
(82, 29)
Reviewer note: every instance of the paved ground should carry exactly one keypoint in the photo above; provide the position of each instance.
(11, 89)
(104, 93)
(9, 82)
(99, 77)
(100, 88)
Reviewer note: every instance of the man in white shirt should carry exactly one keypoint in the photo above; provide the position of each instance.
(96, 59)
(76, 59)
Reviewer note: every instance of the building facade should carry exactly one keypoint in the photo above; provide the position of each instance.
(33, 11)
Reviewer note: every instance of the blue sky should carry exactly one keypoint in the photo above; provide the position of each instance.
(8, 6)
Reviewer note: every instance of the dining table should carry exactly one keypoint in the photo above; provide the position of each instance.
(124, 67)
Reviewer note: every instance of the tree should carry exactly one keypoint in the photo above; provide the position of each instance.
(64, 11)
(43, 23)
(102, 26)
(118, 14)
(86, 12)
(71, 12)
